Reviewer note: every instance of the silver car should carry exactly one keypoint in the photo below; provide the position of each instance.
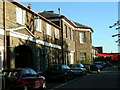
(78, 69)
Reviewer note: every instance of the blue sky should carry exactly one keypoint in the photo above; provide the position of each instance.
(97, 15)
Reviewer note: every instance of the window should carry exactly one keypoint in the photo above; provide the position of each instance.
(82, 37)
(57, 33)
(65, 28)
(38, 25)
(26, 73)
(48, 29)
(70, 33)
(90, 38)
(33, 72)
(20, 16)
(82, 56)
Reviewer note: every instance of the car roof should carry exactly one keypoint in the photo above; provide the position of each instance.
(15, 69)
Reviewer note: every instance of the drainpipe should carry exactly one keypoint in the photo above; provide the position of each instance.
(61, 26)
(4, 27)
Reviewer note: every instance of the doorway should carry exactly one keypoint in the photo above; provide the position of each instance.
(23, 57)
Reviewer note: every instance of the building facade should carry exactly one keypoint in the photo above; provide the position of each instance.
(31, 40)
(77, 38)
(39, 40)
(83, 43)
(67, 28)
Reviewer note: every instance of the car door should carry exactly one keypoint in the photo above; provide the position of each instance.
(35, 79)
(28, 79)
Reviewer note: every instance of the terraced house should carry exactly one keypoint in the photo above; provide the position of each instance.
(83, 43)
(76, 38)
(67, 29)
(31, 40)
(38, 40)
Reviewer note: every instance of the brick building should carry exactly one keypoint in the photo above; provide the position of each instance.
(67, 34)
(75, 49)
(40, 40)
(83, 43)
(31, 40)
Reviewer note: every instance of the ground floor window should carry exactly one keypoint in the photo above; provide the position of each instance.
(82, 56)
(1, 59)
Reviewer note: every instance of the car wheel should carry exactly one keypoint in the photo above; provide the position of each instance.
(43, 85)
(25, 87)
(98, 71)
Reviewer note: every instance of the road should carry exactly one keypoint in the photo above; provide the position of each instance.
(108, 78)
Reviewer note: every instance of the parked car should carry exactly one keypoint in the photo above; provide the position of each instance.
(101, 65)
(23, 79)
(87, 66)
(78, 69)
(93, 67)
(59, 72)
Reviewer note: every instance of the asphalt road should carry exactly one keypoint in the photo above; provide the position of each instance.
(108, 78)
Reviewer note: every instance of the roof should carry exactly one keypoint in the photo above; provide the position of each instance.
(34, 13)
(78, 25)
(50, 14)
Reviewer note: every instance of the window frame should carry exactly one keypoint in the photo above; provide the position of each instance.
(48, 29)
(66, 32)
(82, 56)
(82, 36)
(56, 33)
(39, 25)
(20, 16)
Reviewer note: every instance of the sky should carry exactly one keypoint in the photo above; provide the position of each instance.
(97, 15)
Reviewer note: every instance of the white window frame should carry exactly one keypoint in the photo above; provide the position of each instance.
(39, 25)
(1, 59)
(82, 56)
(72, 33)
(82, 37)
(48, 28)
(56, 33)
(20, 16)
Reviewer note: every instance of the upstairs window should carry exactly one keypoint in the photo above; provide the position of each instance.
(82, 37)
(20, 16)
(48, 28)
(56, 33)
(65, 29)
(72, 35)
(38, 25)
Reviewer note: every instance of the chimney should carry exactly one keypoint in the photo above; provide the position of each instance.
(59, 11)
(29, 6)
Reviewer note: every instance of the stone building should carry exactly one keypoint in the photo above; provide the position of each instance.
(31, 40)
(67, 28)
(76, 38)
(94, 53)
(83, 43)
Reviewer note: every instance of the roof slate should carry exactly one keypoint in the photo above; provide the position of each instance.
(50, 14)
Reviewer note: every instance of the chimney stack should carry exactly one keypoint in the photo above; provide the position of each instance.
(29, 6)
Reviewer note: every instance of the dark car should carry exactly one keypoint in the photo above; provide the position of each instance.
(101, 65)
(93, 67)
(78, 69)
(87, 66)
(58, 72)
(23, 79)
